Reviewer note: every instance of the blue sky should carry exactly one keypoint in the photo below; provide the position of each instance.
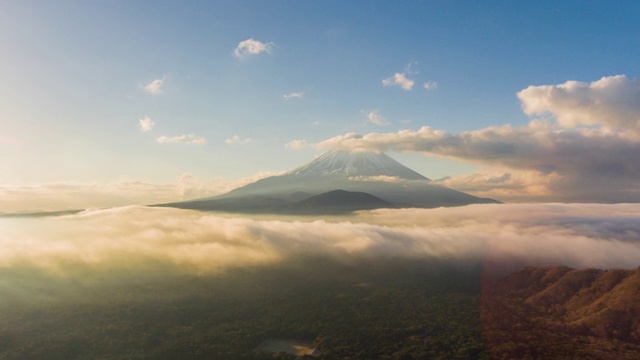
(74, 75)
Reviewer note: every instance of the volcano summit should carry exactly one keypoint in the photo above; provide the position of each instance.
(337, 182)
(340, 163)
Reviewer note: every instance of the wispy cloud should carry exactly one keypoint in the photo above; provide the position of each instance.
(145, 124)
(154, 87)
(377, 119)
(411, 68)
(402, 79)
(294, 95)
(399, 79)
(20, 198)
(297, 144)
(250, 47)
(183, 139)
(430, 85)
(235, 139)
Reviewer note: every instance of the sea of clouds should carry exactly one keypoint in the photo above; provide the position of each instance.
(135, 237)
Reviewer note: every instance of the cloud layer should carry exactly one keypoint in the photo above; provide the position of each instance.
(588, 153)
(575, 235)
(20, 198)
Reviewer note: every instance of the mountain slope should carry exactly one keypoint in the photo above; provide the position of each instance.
(340, 163)
(339, 201)
(329, 203)
(559, 312)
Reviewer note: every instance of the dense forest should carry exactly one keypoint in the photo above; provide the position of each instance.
(559, 312)
(396, 309)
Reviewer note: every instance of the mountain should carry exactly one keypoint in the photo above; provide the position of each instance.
(559, 312)
(337, 163)
(375, 174)
(339, 201)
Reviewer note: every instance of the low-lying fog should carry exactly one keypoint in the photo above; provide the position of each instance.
(130, 238)
(142, 282)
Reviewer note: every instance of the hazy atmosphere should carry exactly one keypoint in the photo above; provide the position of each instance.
(122, 103)
(602, 236)
(347, 179)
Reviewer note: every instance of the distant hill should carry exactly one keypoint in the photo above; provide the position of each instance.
(559, 312)
(338, 201)
(376, 174)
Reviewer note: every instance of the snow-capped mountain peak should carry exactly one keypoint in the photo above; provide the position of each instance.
(342, 163)
(337, 180)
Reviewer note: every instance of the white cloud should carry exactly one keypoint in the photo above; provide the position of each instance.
(399, 79)
(509, 185)
(580, 160)
(251, 47)
(430, 85)
(295, 95)
(184, 139)
(297, 144)
(21, 198)
(384, 178)
(72, 195)
(235, 139)
(567, 163)
(133, 238)
(612, 101)
(377, 119)
(155, 86)
(145, 124)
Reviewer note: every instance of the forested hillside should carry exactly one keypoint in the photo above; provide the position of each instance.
(558, 312)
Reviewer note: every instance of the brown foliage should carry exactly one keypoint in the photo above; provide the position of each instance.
(558, 312)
